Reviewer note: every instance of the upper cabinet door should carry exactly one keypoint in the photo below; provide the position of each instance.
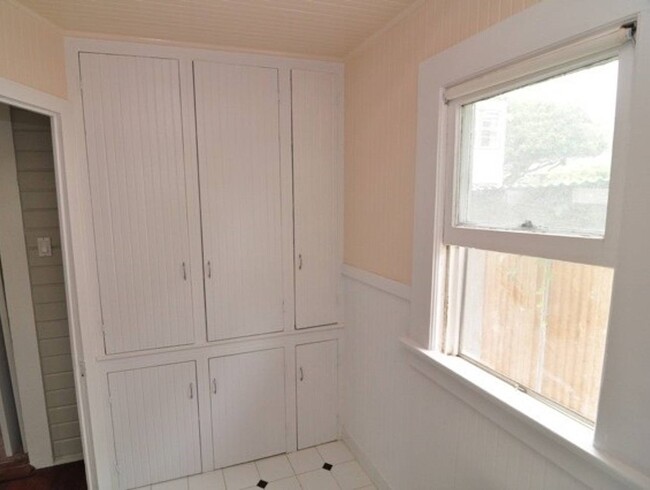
(238, 134)
(134, 140)
(316, 121)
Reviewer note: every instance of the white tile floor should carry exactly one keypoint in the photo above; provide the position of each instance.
(302, 470)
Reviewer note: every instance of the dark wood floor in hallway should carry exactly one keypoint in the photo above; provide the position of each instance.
(63, 477)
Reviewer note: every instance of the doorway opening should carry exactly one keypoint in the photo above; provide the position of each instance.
(39, 421)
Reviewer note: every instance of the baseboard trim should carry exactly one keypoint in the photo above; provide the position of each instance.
(68, 459)
(364, 461)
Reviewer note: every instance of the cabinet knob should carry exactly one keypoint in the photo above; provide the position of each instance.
(299, 262)
(209, 269)
(184, 272)
(191, 391)
(302, 375)
(214, 385)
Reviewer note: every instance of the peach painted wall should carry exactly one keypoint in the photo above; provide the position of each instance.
(380, 126)
(31, 50)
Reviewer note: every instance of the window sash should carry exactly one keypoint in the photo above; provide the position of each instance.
(582, 249)
(450, 336)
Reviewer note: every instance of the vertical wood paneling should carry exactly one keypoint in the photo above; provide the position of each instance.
(31, 50)
(134, 141)
(155, 423)
(317, 393)
(248, 408)
(241, 200)
(380, 127)
(316, 165)
(35, 166)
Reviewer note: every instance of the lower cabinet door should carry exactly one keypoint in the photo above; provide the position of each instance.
(155, 423)
(248, 406)
(317, 392)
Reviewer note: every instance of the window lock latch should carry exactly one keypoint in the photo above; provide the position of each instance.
(521, 388)
(527, 225)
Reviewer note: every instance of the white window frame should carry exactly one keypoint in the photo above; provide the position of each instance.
(582, 249)
(541, 29)
(600, 251)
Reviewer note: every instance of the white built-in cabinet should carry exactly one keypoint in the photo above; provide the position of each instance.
(155, 423)
(215, 200)
(139, 188)
(317, 392)
(248, 406)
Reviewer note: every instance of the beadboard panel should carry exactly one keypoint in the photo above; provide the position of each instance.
(134, 138)
(155, 423)
(322, 28)
(380, 127)
(248, 406)
(317, 393)
(34, 162)
(418, 435)
(238, 139)
(315, 106)
(31, 50)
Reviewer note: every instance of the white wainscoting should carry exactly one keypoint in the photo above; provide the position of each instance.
(415, 434)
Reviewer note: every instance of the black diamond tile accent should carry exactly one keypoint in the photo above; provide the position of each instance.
(262, 484)
(327, 467)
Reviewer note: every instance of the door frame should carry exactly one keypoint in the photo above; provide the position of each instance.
(11, 424)
(61, 120)
(20, 330)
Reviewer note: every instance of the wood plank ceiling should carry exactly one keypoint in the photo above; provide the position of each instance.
(320, 28)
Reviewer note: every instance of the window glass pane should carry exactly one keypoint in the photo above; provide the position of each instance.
(538, 158)
(541, 323)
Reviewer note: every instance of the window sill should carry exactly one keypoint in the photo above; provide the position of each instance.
(540, 426)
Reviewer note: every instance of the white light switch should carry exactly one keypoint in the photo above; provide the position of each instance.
(44, 246)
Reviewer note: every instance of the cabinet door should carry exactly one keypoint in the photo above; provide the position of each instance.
(134, 141)
(241, 209)
(155, 423)
(317, 392)
(248, 406)
(317, 146)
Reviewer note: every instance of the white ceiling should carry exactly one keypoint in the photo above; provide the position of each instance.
(326, 28)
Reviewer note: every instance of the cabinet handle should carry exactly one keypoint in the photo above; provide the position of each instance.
(191, 391)
(214, 385)
(299, 262)
(302, 375)
(209, 269)
(184, 272)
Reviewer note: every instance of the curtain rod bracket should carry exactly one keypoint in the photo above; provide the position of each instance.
(631, 27)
